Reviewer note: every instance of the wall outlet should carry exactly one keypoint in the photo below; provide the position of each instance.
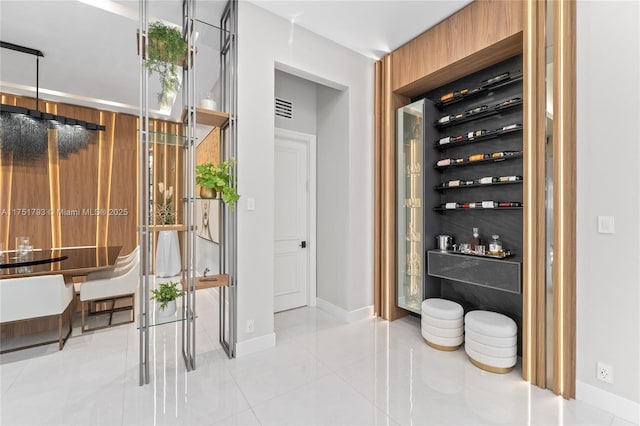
(604, 372)
(250, 326)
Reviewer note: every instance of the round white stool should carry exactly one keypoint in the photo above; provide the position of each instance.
(491, 341)
(442, 324)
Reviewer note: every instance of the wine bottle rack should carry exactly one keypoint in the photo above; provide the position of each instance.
(442, 187)
(443, 210)
(513, 78)
(466, 162)
(467, 116)
(493, 134)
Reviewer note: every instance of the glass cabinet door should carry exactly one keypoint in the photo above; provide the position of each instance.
(409, 207)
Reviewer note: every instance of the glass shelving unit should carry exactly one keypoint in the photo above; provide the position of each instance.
(409, 207)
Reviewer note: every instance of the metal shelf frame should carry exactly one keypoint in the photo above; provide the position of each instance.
(228, 132)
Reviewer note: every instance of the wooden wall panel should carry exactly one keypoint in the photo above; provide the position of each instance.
(208, 151)
(481, 34)
(6, 174)
(384, 202)
(124, 182)
(103, 176)
(29, 190)
(534, 224)
(564, 197)
(79, 180)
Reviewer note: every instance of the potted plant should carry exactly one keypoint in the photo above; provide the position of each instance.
(166, 294)
(167, 51)
(217, 179)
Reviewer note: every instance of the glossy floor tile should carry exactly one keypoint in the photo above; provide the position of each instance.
(321, 372)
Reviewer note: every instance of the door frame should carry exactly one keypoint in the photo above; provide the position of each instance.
(310, 140)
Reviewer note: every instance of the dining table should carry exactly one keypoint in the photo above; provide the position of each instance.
(67, 261)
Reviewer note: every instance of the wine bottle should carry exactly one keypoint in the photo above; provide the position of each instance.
(475, 239)
(509, 178)
(477, 157)
(496, 79)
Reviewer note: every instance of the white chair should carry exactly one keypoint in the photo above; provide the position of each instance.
(111, 289)
(127, 258)
(121, 266)
(22, 299)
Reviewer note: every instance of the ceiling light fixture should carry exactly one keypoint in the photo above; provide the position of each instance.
(24, 132)
(35, 113)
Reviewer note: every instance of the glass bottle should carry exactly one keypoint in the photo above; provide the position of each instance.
(475, 240)
(495, 246)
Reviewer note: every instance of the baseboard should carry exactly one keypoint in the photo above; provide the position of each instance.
(343, 314)
(617, 405)
(256, 344)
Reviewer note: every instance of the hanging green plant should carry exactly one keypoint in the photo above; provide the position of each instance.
(218, 178)
(167, 51)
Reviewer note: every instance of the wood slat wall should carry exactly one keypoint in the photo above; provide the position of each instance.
(564, 197)
(481, 34)
(534, 147)
(208, 151)
(385, 193)
(101, 176)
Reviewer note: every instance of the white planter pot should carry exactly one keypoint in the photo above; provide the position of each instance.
(168, 311)
(208, 104)
(167, 254)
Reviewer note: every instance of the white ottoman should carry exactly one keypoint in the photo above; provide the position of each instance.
(442, 324)
(491, 341)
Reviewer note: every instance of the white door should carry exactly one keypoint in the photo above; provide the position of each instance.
(291, 263)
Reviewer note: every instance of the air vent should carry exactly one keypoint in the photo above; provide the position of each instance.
(284, 108)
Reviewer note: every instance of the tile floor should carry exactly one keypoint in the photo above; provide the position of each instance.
(322, 372)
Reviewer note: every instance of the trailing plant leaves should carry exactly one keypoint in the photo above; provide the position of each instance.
(167, 48)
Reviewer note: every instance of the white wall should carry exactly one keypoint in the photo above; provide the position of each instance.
(265, 40)
(333, 196)
(608, 183)
(302, 93)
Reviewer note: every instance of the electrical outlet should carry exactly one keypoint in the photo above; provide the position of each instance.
(250, 326)
(604, 372)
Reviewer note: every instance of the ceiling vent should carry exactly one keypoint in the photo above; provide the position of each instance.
(284, 108)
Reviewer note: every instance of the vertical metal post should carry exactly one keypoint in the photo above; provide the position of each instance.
(37, 82)
(227, 295)
(189, 162)
(233, 108)
(143, 200)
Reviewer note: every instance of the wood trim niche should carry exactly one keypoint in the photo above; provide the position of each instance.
(426, 62)
(483, 33)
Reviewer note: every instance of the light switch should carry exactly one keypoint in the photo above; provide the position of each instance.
(606, 225)
(251, 204)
